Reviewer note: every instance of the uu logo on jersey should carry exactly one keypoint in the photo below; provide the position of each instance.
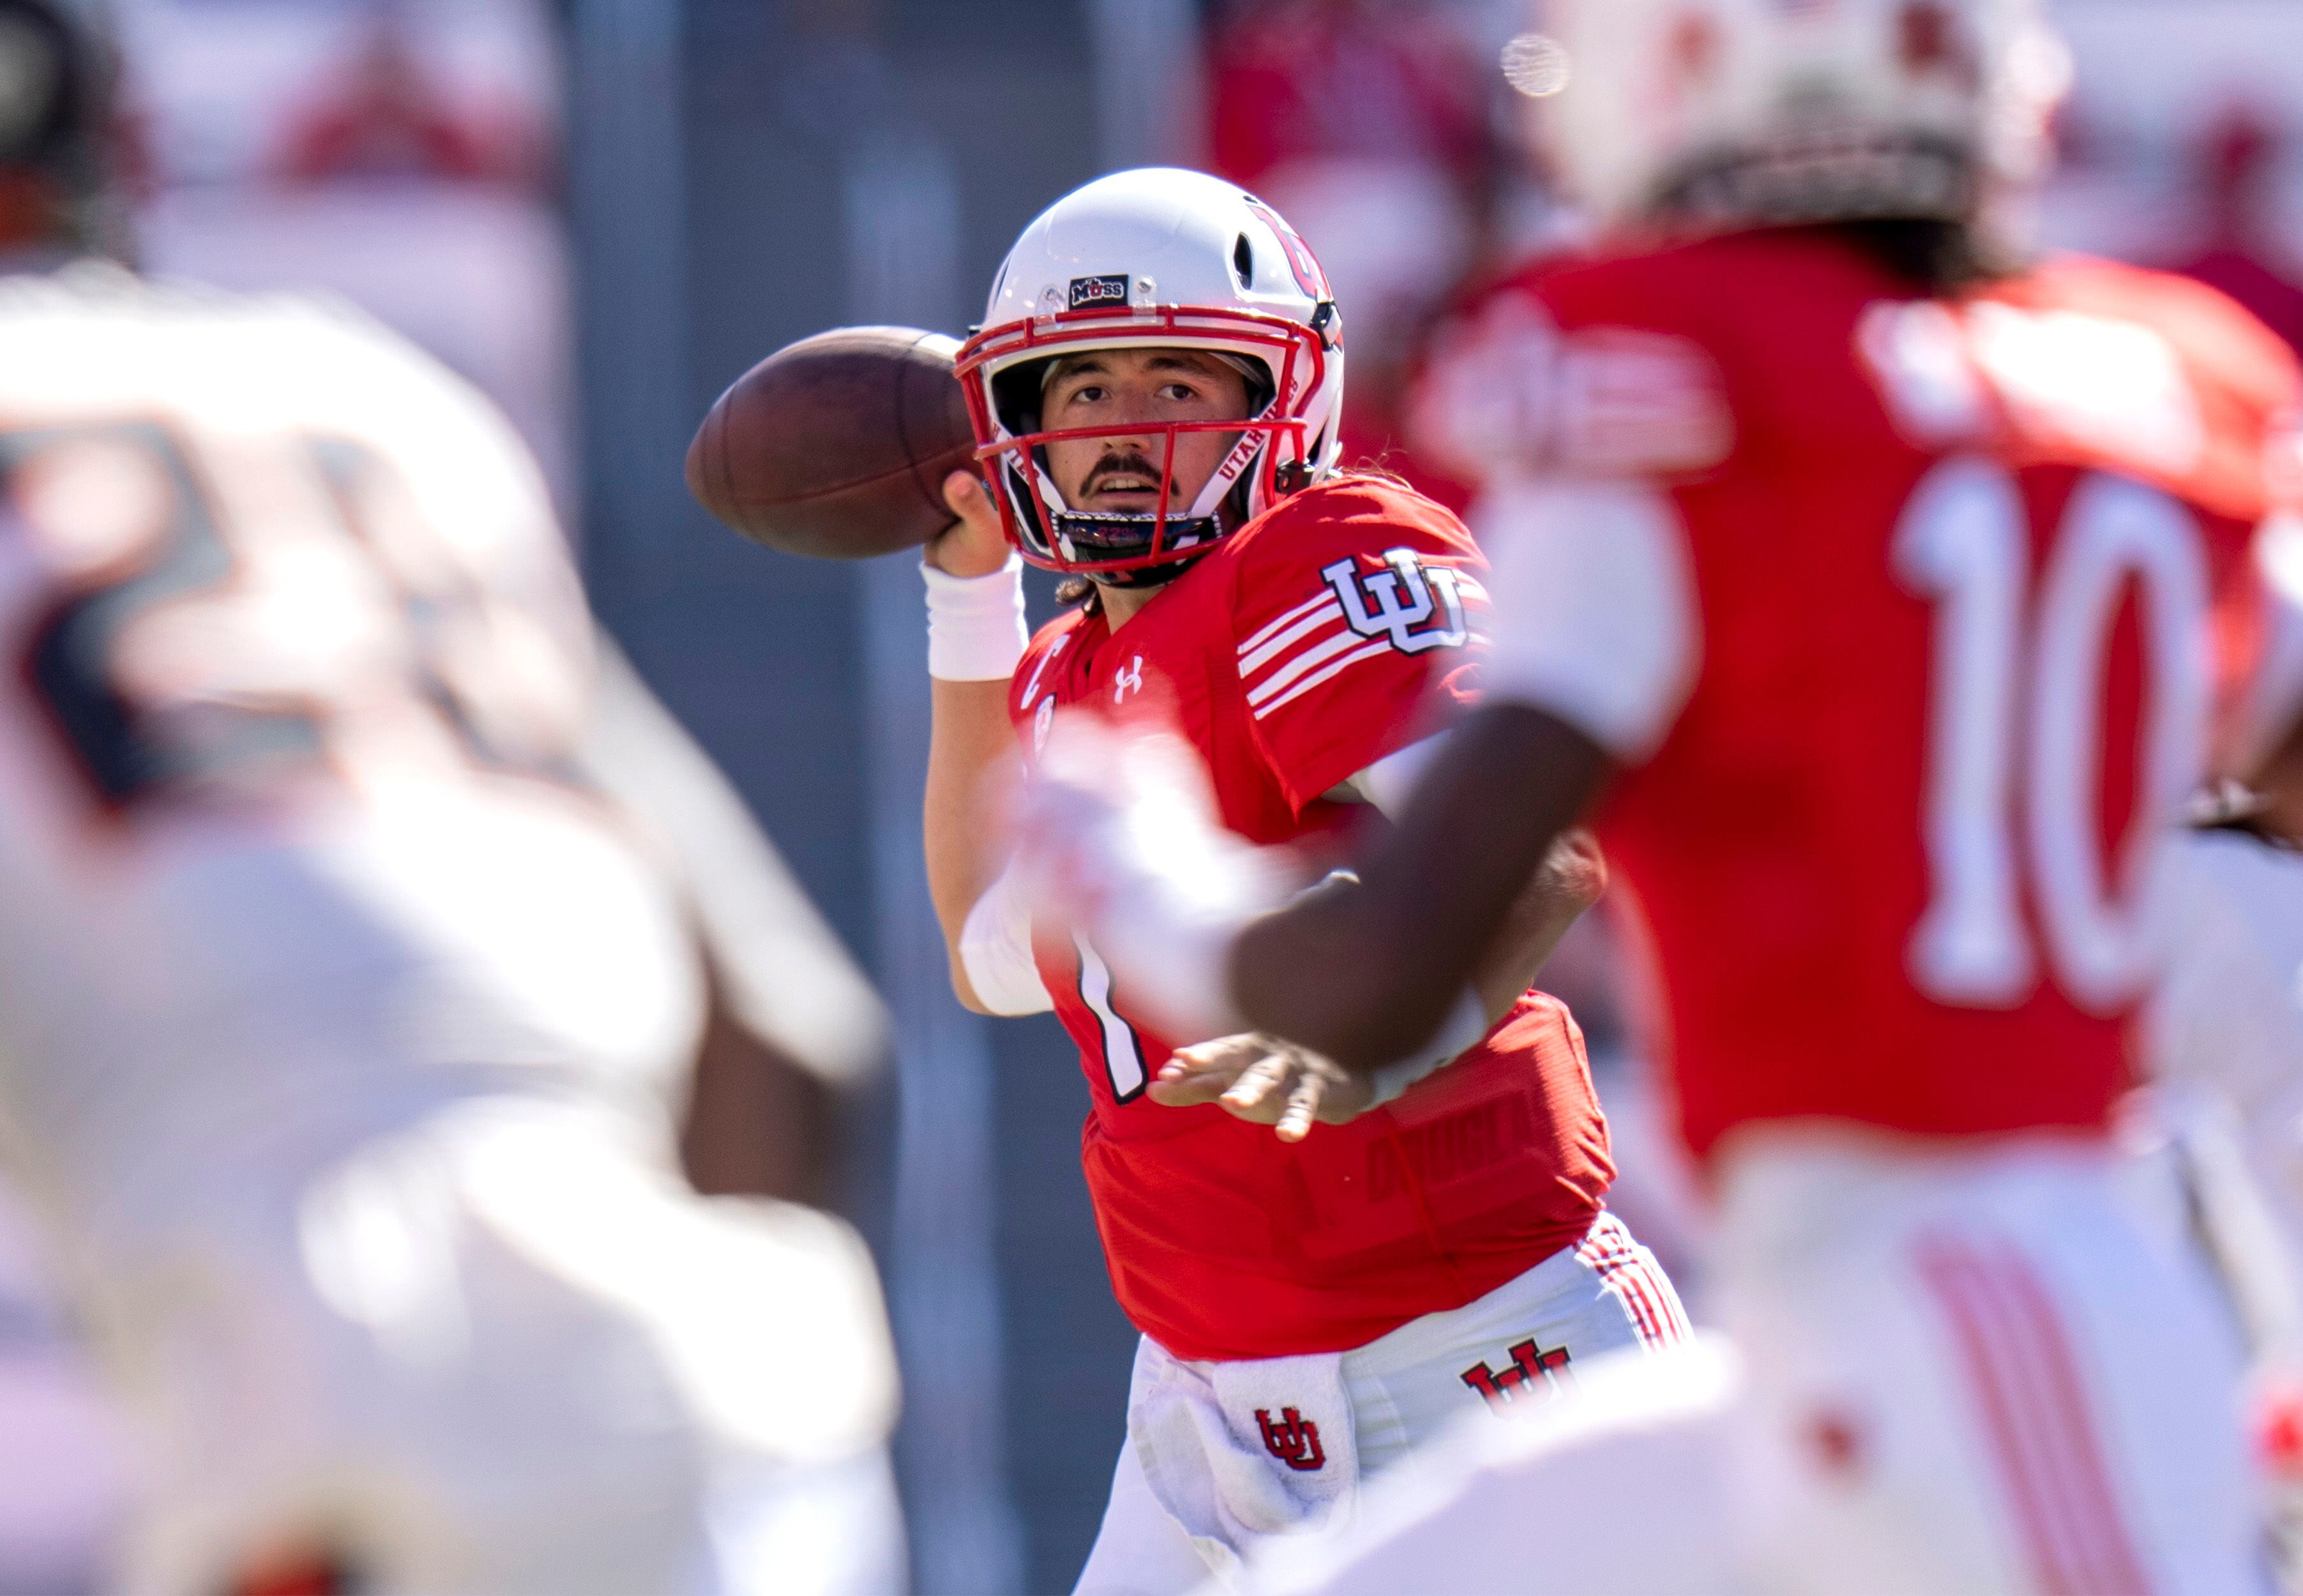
(1412, 605)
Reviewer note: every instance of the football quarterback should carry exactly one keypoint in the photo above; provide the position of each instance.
(1155, 390)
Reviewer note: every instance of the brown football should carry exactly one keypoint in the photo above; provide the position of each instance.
(837, 446)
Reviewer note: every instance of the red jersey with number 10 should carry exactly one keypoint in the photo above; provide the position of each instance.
(1897, 612)
(1303, 649)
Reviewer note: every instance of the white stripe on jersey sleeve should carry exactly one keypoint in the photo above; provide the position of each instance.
(1325, 614)
(1595, 610)
(1325, 595)
(1367, 651)
(1304, 659)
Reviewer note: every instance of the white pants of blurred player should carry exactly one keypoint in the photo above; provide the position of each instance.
(502, 1352)
(2001, 1371)
(1202, 1479)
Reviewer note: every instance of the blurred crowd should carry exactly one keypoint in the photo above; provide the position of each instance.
(1383, 130)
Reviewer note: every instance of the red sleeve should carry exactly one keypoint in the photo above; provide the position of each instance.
(1358, 613)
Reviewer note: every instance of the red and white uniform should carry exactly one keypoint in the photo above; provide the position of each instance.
(1915, 596)
(1412, 1240)
(1897, 615)
(1222, 1242)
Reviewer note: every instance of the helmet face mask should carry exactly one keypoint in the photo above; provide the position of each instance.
(1206, 267)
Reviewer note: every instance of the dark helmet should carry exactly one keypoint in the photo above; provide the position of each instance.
(58, 128)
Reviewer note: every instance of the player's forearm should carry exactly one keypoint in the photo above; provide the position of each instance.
(1365, 977)
(970, 745)
(1572, 878)
(2278, 780)
(976, 635)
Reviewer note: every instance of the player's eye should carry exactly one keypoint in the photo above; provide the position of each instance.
(1085, 394)
(1179, 392)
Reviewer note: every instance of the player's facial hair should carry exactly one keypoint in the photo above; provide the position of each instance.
(1118, 465)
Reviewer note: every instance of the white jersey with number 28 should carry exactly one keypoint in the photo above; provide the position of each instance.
(295, 668)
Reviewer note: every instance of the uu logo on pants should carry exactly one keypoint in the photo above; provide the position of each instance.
(1414, 606)
(1294, 1440)
(1533, 1372)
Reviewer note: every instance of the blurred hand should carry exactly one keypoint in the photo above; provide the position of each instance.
(1576, 871)
(1264, 1081)
(976, 544)
(1118, 838)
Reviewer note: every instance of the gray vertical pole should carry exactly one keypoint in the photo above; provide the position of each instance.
(902, 204)
(1150, 86)
(628, 166)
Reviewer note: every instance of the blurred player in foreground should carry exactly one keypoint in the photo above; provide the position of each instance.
(1156, 387)
(340, 1006)
(2227, 1016)
(1863, 586)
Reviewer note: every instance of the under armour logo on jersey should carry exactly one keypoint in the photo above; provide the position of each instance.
(1294, 1440)
(1128, 679)
(1533, 1372)
(1416, 607)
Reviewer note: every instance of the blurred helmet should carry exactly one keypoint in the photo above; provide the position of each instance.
(58, 122)
(1733, 112)
(1156, 258)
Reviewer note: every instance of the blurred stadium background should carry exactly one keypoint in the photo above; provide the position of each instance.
(603, 210)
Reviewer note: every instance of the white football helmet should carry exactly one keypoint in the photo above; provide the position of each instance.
(1734, 113)
(1166, 258)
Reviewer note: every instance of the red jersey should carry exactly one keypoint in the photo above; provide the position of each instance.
(1895, 612)
(1303, 649)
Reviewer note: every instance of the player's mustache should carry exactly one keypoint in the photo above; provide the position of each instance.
(1120, 465)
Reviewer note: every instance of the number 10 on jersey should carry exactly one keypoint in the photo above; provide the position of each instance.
(2016, 734)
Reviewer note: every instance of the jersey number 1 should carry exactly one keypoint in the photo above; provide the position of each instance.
(1123, 1053)
(2017, 707)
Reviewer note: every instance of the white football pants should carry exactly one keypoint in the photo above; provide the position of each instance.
(1998, 1370)
(504, 1351)
(1180, 1510)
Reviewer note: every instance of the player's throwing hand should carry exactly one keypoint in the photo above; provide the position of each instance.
(1264, 1081)
(973, 544)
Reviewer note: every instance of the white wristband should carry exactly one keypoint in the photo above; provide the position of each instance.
(976, 630)
(1465, 1025)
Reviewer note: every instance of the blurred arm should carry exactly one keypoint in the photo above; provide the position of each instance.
(759, 1122)
(794, 1025)
(970, 742)
(1366, 976)
(1598, 646)
(971, 747)
(1571, 879)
